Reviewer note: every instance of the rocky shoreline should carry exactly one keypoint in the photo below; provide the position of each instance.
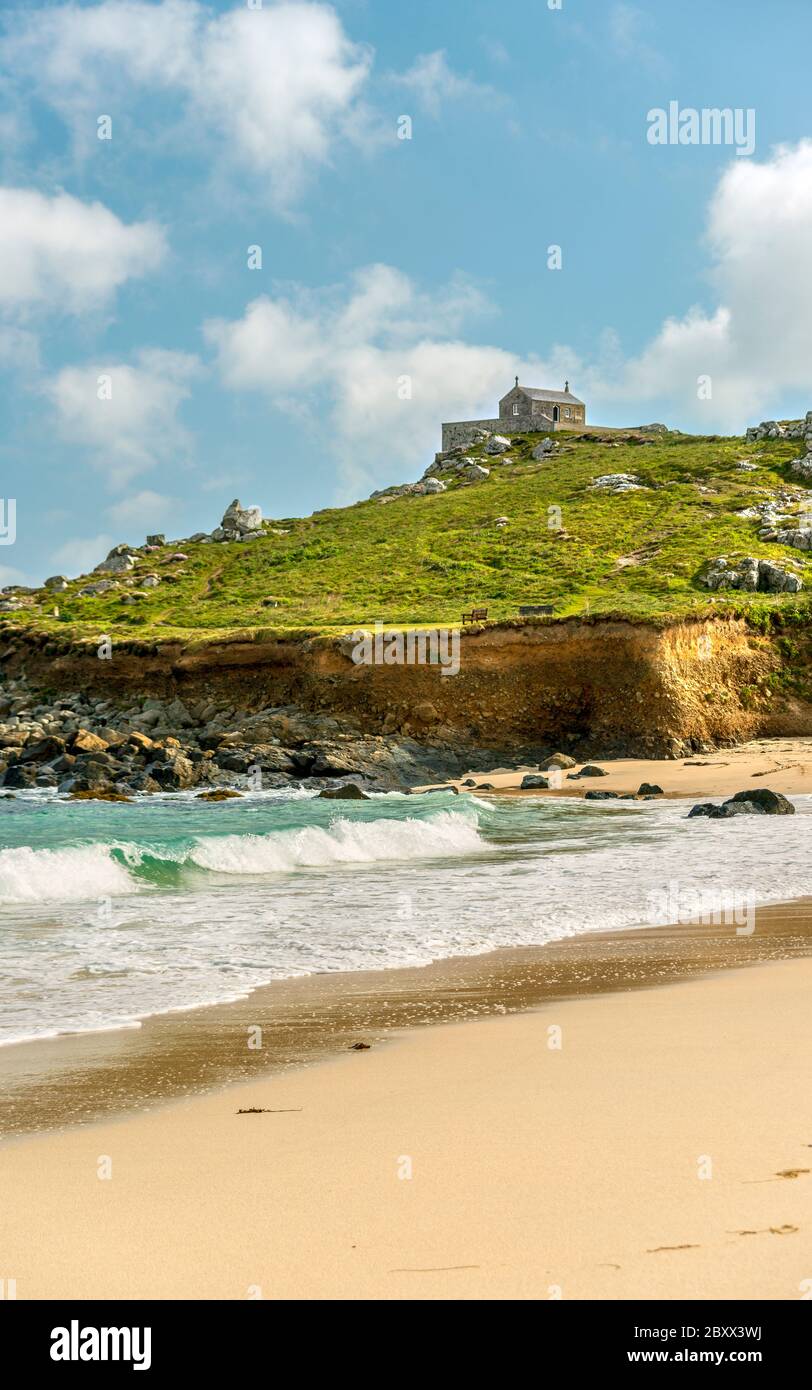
(84, 746)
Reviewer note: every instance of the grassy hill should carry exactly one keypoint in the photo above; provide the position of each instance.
(422, 560)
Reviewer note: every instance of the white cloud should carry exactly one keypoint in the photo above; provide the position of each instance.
(433, 82)
(81, 554)
(340, 358)
(354, 351)
(756, 342)
(137, 427)
(277, 88)
(144, 508)
(60, 253)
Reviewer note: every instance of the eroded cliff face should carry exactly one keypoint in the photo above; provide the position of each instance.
(614, 685)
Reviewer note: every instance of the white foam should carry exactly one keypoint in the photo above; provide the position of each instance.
(357, 892)
(60, 875)
(346, 842)
(90, 871)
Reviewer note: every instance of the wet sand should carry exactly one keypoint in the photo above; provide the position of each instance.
(652, 1143)
(76, 1080)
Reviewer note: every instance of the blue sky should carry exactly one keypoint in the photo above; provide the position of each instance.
(147, 375)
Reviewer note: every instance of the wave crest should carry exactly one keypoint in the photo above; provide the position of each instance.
(117, 868)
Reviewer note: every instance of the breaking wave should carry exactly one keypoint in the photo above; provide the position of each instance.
(116, 868)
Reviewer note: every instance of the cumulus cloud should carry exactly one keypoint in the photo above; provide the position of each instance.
(755, 342)
(390, 362)
(62, 254)
(386, 357)
(144, 508)
(126, 414)
(276, 88)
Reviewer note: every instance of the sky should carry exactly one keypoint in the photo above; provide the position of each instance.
(262, 250)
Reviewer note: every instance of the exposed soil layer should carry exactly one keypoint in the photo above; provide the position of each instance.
(614, 684)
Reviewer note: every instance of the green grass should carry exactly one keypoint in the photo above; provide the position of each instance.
(423, 560)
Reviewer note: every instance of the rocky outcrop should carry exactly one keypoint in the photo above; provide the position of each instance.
(545, 449)
(103, 586)
(454, 465)
(753, 575)
(78, 744)
(789, 429)
(239, 521)
(802, 468)
(616, 482)
(426, 488)
(793, 429)
(799, 537)
(119, 560)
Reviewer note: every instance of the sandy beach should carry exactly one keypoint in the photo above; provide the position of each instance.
(620, 1114)
(649, 1142)
(782, 764)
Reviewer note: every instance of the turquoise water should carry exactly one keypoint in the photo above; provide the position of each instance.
(112, 912)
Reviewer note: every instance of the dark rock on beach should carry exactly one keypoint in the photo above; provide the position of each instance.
(758, 801)
(771, 803)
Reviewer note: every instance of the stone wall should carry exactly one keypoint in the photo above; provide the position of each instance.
(463, 432)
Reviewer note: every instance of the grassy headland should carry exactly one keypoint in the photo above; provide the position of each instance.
(424, 559)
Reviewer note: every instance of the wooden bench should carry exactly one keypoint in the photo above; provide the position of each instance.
(476, 615)
(531, 610)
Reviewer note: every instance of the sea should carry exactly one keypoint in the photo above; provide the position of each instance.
(112, 912)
